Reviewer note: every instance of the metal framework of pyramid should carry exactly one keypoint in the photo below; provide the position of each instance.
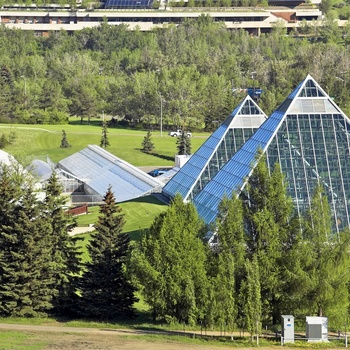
(205, 164)
(309, 136)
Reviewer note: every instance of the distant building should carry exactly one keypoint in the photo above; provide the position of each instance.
(308, 135)
(43, 20)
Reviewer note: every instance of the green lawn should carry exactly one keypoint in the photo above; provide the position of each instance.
(10, 340)
(44, 140)
(139, 214)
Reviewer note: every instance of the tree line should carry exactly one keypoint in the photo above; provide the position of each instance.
(41, 269)
(193, 74)
(264, 262)
(260, 262)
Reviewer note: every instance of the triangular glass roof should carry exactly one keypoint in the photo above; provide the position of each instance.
(310, 137)
(216, 151)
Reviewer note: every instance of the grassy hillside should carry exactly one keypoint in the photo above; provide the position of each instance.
(139, 215)
(41, 141)
(33, 141)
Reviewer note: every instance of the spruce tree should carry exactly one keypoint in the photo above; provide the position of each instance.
(183, 144)
(104, 138)
(147, 144)
(64, 141)
(106, 291)
(26, 276)
(65, 256)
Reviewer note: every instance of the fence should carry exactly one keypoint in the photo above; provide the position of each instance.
(340, 338)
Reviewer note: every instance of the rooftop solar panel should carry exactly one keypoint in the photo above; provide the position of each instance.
(128, 3)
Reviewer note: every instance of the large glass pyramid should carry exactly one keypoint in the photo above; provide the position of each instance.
(202, 167)
(308, 135)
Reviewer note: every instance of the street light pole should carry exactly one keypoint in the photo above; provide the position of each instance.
(253, 77)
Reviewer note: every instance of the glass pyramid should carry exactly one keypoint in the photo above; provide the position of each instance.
(202, 167)
(309, 136)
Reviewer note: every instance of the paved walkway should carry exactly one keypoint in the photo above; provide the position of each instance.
(81, 229)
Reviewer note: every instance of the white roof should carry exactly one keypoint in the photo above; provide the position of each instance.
(99, 169)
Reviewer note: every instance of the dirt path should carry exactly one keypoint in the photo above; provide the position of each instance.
(78, 338)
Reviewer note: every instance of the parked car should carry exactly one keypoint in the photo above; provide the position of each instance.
(178, 133)
(156, 172)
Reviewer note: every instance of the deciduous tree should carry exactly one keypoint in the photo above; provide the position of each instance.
(329, 261)
(170, 265)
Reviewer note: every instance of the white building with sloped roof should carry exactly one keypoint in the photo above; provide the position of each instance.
(96, 169)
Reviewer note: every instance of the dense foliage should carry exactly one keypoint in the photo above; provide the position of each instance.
(265, 262)
(38, 258)
(170, 265)
(193, 68)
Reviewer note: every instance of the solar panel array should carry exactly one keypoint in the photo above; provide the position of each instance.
(128, 4)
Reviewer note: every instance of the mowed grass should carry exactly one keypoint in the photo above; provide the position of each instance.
(40, 141)
(139, 215)
(11, 340)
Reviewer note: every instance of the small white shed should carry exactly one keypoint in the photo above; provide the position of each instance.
(316, 328)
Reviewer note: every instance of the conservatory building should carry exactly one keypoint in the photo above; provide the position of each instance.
(308, 135)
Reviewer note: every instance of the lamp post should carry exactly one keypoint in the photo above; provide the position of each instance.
(253, 77)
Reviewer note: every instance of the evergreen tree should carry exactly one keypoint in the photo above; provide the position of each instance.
(65, 256)
(183, 144)
(106, 291)
(3, 141)
(104, 138)
(170, 265)
(6, 94)
(147, 144)
(64, 141)
(26, 276)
